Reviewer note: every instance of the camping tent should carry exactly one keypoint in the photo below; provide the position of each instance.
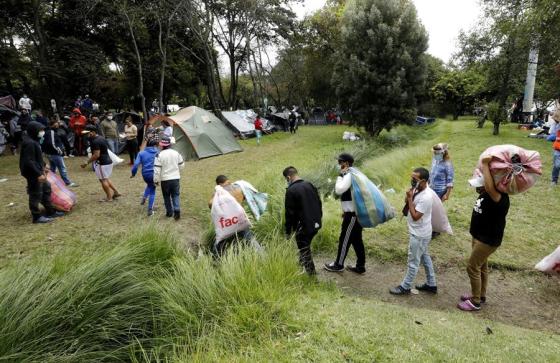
(242, 122)
(199, 134)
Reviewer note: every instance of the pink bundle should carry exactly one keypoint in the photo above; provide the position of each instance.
(62, 198)
(514, 169)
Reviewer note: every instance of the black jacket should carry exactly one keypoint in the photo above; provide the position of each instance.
(303, 208)
(52, 144)
(31, 164)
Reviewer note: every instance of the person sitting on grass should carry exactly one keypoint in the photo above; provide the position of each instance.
(102, 163)
(146, 159)
(488, 222)
(418, 211)
(219, 248)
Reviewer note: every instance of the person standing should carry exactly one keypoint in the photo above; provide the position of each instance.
(24, 119)
(78, 124)
(53, 147)
(418, 211)
(303, 214)
(25, 103)
(32, 168)
(109, 127)
(167, 167)
(351, 230)
(53, 105)
(102, 163)
(293, 121)
(443, 173)
(488, 222)
(131, 133)
(40, 117)
(258, 129)
(15, 134)
(555, 137)
(146, 159)
(87, 105)
(167, 129)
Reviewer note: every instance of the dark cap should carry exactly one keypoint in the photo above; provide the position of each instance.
(89, 128)
(345, 157)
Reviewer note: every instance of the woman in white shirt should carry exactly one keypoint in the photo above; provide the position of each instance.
(131, 133)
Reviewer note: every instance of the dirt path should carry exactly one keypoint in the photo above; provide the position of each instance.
(517, 298)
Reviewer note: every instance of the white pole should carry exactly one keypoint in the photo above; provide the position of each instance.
(530, 82)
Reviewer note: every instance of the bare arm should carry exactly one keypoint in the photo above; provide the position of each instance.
(489, 180)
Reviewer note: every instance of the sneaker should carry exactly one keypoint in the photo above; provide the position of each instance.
(142, 201)
(71, 155)
(356, 269)
(399, 290)
(169, 215)
(150, 213)
(65, 157)
(42, 219)
(333, 267)
(468, 305)
(2, 180)
(468, 296)
(177, 215)
(116, 195)
(56, 214)
(427, 288)
(73, 185)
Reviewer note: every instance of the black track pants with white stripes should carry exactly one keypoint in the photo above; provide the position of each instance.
(351, 234)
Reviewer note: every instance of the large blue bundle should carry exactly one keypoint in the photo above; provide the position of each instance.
(372, 208)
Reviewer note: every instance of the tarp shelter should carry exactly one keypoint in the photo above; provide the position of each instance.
(240, 122)
(280, 119)
(9, 102)
(136, 120)
(199, 133)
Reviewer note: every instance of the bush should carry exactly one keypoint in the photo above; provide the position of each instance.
(496, 114)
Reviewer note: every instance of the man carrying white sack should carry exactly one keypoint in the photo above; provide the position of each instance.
(488, 222)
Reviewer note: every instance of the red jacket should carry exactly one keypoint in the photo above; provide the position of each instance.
(77, 123)
(258, 124)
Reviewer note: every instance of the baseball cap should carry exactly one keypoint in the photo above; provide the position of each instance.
(89, 128)
(345, 157)
(477, 181)
(165, 141)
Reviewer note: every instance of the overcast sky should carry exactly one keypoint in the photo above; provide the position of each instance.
(443, 20)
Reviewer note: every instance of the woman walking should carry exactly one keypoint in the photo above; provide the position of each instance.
(131, 133)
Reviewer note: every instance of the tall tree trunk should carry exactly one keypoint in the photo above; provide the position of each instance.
(139, 61)
(233, 81)
(163, 52)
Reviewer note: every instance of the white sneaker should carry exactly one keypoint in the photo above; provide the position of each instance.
(65, 157)
(73, 185)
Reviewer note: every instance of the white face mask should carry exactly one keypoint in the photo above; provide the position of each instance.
(41, 134)
(109, 117)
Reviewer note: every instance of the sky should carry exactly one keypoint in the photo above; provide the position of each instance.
(443, 19)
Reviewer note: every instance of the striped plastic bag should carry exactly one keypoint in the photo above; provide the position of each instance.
(62, 198)
(372, 208)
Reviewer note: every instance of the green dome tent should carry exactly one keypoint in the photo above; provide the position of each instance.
(199, 134)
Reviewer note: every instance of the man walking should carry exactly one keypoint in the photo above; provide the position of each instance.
(488, 222)
(304, 211)
(54, 149)
(167, 171)
(146, 159)
(109, 128)
(32, 168)
(102, 163)
(418, 211)
(351, 230)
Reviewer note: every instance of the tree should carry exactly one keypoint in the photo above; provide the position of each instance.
(458, 90)
(380, 68)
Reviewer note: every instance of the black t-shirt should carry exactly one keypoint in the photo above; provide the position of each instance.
(488, 219)
(99, 143)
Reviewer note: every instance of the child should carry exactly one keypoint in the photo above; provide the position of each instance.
(166, 170)
(146, 158)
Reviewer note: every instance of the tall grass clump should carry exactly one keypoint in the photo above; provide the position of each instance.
(81, 309)
(244, 298)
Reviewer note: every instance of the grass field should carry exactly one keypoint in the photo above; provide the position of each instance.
(57, 281)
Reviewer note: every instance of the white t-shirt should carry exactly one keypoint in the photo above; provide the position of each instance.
(167, 165)
(423, 204)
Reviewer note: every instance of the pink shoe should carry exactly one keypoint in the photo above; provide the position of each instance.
(468, 296)
(467, 305)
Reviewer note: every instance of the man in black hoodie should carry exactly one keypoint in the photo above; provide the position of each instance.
(303, 215)
(32, 167)
(53, 147)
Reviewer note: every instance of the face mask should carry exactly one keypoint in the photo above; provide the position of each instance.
(438, 157)
(41, 134)
(109, 117)
(338, 167)
(414, 183)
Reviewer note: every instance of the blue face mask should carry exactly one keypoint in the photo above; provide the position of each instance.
(438, 157)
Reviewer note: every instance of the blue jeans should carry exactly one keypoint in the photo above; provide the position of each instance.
(112, 145)
(150, 191)
(418, 252)
(258, 133)
(170, 191)
(555, 166)
(57, 162)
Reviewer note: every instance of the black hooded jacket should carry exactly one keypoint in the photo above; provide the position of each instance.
(31, 164)
(303, 208)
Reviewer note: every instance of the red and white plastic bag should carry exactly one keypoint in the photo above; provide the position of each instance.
(228, 215)
(550, 263)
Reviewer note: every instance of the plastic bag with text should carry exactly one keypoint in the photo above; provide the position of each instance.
(228, 216)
